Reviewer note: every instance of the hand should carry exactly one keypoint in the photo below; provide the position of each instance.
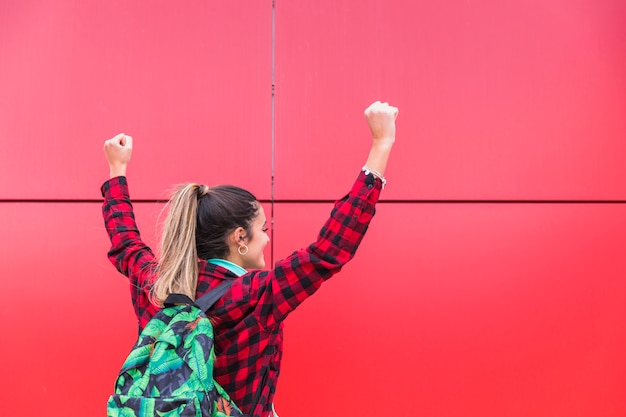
(118, 151)
(381, 118)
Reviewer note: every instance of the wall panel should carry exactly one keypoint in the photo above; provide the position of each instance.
(462, 309)
(66, 312)
(498, 100)
(192, 84)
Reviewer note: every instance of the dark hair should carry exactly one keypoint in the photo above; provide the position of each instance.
(197, 225)
(220, 211)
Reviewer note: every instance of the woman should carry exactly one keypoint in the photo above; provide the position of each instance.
(219, 233)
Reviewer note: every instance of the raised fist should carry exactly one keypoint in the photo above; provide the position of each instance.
(381, 118)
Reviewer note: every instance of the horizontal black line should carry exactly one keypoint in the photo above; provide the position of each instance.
(65, 200)
(507, 201)
(467, 201)
(417, 201)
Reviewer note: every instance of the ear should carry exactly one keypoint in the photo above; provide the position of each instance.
(237, 235)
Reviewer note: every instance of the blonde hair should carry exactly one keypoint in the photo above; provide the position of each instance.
(177, 270)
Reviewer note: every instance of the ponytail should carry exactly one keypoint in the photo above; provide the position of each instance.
(177, 270)
(197, 226)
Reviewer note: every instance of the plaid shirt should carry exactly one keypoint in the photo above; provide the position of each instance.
(249, 329)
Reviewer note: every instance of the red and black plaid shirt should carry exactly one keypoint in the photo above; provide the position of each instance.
(248, 335)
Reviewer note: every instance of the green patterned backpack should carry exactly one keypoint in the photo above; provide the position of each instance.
(169, 372)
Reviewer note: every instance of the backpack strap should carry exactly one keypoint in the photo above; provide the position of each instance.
(174, 299)
(207, 300)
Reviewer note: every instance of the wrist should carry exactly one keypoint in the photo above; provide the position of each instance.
(117, 171)
(385, 143)
(376, 174)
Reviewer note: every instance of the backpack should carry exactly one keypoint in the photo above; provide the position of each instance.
(169, 371)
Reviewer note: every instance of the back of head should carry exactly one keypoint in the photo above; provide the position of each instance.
(220, 211)
(197, 226)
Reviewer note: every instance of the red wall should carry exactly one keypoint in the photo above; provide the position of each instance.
(491, 282)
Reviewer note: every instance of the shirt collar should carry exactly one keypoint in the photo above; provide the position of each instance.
(232, 267)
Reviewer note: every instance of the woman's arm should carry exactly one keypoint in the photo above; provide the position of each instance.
(297, 277)
(128, 253)
(381, 118)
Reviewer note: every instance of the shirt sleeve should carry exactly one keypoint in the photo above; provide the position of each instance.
(128, 253)
(301, 274)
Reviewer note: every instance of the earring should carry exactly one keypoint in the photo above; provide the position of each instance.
(244, 251)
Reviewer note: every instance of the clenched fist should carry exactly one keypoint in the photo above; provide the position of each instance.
(381, 118)
(118, 151)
